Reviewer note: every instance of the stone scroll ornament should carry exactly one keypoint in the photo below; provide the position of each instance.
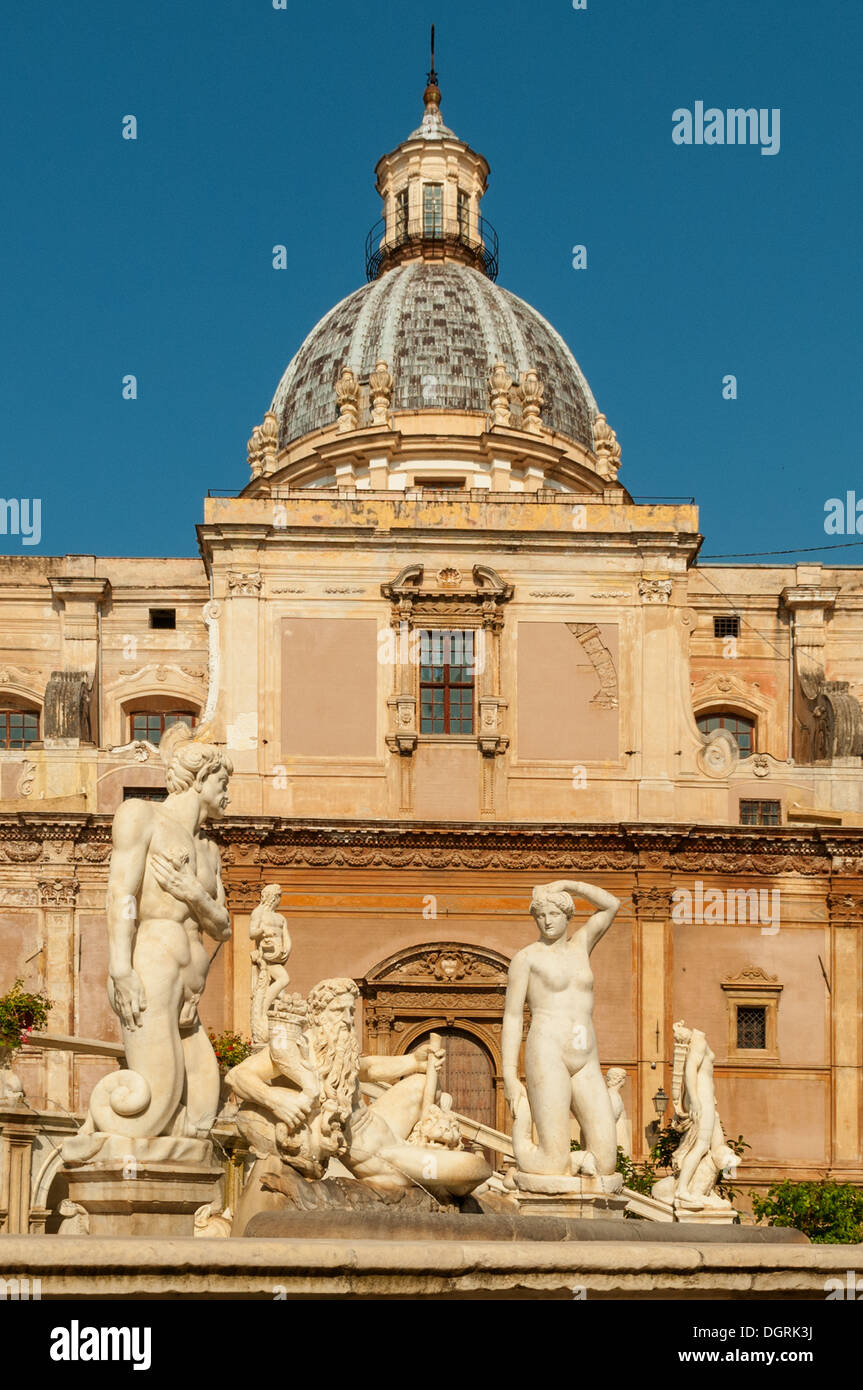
(271, 946)
(562, 1072)
(703, 1154)
(165, 895)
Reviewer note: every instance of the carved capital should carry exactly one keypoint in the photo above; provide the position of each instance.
(653, 902)
(58, 892)
(846, 909)
(244, 585)
(654, 590)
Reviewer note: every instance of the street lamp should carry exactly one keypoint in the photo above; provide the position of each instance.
(660, 1101)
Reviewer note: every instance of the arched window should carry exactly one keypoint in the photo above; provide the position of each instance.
(150, 724)
(18, 727)
(742, 728)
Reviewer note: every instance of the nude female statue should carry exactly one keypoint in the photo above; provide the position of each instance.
(554, 978)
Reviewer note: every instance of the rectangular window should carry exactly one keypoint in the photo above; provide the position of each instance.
(149, 725)
(759, 812)
(144, 794)
(163, 617)
(18, 728)
(433, 210)
(446, 682)
(401, 226)
(751, 1027)
(726, 626)
(463, 213)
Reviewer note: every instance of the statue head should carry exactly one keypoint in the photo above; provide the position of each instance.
(551, 911)
(190, 762)
(333, 1000)
(615, 1077)
(271, 895)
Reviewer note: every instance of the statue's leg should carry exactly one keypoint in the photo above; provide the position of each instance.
(591, 1105)
(548, 1092)
(203, 1083)
(400, 1106)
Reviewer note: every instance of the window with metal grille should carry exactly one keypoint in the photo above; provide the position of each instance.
(144, 794)
(726, 626)
(759, 813)
(446, 682)
(18, 728)
(743, 729)
(433, 210)
(151, 724)
(751, 1026)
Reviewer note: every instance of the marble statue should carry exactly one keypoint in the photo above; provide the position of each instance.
(164, 896)
(271, 946)
(302, 1103)
(615, 1079)
(702, 1154)
(563, 1075)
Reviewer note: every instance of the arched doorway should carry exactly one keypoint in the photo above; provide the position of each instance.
(467, 1074)
(454, 989)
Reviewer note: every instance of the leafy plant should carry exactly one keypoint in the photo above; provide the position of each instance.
(20, 1013)
(827, 1212)
(230, 1050)
(724, 1186)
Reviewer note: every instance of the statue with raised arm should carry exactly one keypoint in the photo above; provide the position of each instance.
(271, 946)
(553, 977)
(165, 896)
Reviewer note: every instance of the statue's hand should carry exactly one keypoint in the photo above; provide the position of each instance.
(515, 1093)
(180, 883)
(291, 1107)
(127, 997)
(423, 1052)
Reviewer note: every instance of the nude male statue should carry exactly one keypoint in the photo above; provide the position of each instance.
(164, 895)
(268, 932)
(553, 976)
(703, 1153)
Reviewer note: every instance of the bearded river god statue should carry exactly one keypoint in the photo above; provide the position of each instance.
(563, 1076)
(165, 896)
(302, 1107)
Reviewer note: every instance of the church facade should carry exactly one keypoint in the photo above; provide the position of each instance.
(451, 657)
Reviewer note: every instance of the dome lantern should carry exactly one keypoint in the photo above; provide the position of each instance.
(431, 186)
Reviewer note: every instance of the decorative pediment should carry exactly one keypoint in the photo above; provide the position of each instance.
(752, 977)
(443, 963)
(448, 594)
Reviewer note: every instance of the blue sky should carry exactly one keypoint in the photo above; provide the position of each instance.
(260, 126)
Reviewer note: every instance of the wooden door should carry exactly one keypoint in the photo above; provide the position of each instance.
(468, 1075)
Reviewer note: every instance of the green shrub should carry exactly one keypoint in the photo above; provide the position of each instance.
(827, 1212)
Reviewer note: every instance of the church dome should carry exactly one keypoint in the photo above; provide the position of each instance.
(440, 326)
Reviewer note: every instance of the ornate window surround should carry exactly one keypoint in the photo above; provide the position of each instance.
(448, 599)
(753, 987)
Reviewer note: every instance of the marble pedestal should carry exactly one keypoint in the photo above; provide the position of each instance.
(142, 1187)
(589, 1198)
